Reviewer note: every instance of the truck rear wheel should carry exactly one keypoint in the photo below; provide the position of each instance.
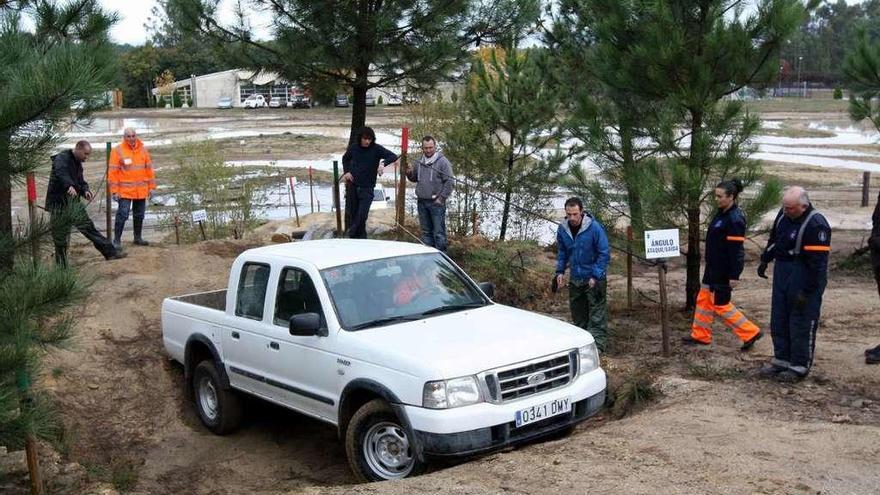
(219, 409)
(378, 447)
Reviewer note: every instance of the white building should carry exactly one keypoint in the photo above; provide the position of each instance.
(236, 84)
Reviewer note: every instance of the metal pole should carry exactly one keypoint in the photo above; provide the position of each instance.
(293, 196)
(32, 216)
(866, 186)
(664, 313)
(107, 194)
(336, 198)
(629, 268)
(311, 191)
(799, 74)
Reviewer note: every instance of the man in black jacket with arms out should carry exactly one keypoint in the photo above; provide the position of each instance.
(66, 186)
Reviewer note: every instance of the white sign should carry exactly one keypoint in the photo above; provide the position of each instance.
(200, 216)
(661, 244)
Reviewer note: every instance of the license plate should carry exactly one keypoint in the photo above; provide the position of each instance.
(543, 411)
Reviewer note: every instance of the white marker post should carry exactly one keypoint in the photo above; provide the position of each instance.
(199, 216)
(660, 245)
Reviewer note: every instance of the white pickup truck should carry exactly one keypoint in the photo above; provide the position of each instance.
(390, 342)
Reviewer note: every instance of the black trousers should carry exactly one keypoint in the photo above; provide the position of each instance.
(77, 217)
(357, 204)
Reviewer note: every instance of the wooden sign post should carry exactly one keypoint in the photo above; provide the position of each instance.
(660, 245)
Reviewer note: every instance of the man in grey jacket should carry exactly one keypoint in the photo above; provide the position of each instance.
(432, 174)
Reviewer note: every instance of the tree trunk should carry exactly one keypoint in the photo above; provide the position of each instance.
(695, 163)
(631, 180)
(359, 103)
(508, 192)
(6, 259)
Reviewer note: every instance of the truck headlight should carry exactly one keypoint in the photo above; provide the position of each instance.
(457, 392)
(589, 358)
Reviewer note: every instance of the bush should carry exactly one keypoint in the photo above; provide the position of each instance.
(838, 94)
(203, 180)
(380, 101)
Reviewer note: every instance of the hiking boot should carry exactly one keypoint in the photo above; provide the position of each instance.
(751, 342)
(788, 376)
(118, 255)
(141, 242)
(872, 358)
(692, 341)
(117, 244)
(873, 350)
(770, 371)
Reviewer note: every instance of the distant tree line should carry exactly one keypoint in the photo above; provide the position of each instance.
(825, 38)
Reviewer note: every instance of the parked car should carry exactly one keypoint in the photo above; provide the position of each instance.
(299, 101)
(391, 343)
(224, 102)
(371, 101)
(380, 199)
(275, 102)
(255, 101)
(341, 101)
(394, 100)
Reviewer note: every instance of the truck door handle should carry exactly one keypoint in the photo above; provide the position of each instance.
(235, 335)
(274, 345)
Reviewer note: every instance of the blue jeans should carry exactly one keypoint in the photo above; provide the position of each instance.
(432, 220)
(138, 207)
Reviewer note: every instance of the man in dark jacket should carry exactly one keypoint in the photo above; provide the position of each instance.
(66, 186)
(872, 356)
(582, 242)
(799, 244)
(433, 175)
(362, 164)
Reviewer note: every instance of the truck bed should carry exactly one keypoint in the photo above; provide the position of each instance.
(215, 299)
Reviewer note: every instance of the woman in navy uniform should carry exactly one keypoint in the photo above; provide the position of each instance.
(725, 258)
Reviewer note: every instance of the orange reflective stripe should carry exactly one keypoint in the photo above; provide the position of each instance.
(734, 238)
(817, 248)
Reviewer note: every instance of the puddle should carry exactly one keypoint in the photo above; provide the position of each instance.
(819, 161)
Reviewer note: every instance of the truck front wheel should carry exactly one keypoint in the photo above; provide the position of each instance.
(219, 409)
(378, 446)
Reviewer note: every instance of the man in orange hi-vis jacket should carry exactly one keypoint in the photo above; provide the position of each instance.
(131, 179)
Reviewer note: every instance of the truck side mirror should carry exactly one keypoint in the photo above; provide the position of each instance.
(488, 288)
(305, 324)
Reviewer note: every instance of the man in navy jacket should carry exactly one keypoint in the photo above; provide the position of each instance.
(583, 244)
(362, 164)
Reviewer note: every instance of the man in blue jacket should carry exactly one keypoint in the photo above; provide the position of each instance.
(582, 242)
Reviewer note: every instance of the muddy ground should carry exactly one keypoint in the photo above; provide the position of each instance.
(715, 427)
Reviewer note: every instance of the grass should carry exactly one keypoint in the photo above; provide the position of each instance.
(709, 371)
(57, 372)
(797, 105)
(634, 393)
(122, 474)
(797, 132)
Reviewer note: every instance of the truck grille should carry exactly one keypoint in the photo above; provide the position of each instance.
(530, 378)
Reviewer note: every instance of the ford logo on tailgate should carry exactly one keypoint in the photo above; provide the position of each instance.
(536, 379)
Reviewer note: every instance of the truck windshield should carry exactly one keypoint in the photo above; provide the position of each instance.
(381, 292)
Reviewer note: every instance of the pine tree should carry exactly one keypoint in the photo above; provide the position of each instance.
(64, 58)
(356, 44)
(691, 55)
(509, 99)
(862, 71)
(615, 128)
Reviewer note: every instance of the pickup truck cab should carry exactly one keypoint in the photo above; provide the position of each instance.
(390, 342)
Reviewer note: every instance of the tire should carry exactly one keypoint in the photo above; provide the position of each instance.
(219, 409)
(378, 447)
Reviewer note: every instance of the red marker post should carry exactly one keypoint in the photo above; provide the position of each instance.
(401, 185)
(32, 215)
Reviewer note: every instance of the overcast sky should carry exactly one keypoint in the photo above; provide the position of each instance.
(134, 13)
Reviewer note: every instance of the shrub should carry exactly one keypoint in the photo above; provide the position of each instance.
(838, 94)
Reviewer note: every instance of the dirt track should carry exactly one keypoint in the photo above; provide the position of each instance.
(716, 428)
